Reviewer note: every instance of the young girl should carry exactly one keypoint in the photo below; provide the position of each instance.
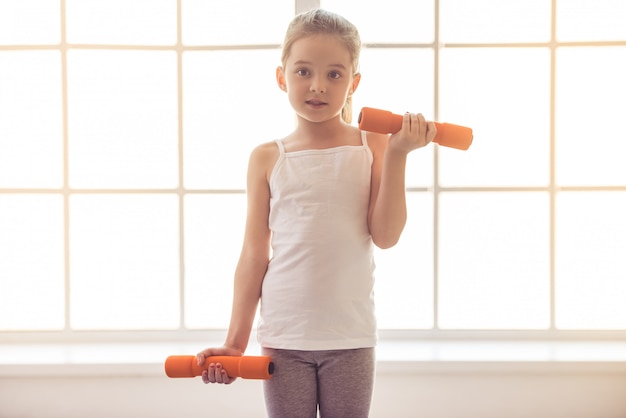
(318, 200)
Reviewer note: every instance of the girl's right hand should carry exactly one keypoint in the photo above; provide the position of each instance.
(215, 373)
(416, 132)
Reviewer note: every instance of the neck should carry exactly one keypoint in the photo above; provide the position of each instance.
(320, 135)
(328, 129)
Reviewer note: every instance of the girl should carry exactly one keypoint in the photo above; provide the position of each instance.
(318, 200)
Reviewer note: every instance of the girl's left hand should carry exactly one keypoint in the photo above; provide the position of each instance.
(415, 133)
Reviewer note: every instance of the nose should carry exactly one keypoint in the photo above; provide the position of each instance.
(318, 85)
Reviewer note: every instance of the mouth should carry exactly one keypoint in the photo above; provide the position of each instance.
(315, 103)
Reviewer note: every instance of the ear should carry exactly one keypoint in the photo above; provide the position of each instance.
(280, 78)
(355, 83)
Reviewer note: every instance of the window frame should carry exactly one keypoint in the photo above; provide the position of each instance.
(182, 334)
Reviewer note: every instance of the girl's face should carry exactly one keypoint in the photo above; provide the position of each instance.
(318, 76)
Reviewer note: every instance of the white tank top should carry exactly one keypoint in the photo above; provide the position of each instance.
(318, 289)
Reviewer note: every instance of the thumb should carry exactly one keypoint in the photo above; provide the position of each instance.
(216, 351)
(204, 354)
(431, 131)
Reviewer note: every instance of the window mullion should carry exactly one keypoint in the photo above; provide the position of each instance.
(304, 5)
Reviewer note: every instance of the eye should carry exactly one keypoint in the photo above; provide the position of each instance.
(335, 75)
(302, 72)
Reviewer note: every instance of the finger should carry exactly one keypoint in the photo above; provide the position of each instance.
(200, 358)
(223, 375)
(226, 378)
(211, 372)
(431, 131)
(203, 355)
(421, 123)
(205, 377)
(219, 373)
(406, 121)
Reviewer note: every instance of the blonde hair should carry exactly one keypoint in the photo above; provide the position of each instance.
(320, 21)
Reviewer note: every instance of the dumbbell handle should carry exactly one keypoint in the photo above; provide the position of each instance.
(385, 122)
(247, 367)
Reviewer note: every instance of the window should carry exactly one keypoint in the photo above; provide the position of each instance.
(125, 129)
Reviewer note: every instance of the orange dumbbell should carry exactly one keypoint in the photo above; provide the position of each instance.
(385, 122)
(246, 367)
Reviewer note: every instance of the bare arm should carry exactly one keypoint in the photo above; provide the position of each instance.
(387, 210)
(255, 251)
(252, 263)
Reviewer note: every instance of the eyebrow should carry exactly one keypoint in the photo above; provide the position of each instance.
(302, 62)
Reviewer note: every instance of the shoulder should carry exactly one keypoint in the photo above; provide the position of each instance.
(377, 143)
(267, 150)
(263, 158)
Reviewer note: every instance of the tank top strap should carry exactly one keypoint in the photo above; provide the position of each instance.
(364, 138)
(281, 147)
(370, 155)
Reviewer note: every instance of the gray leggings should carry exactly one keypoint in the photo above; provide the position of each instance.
(340, 382)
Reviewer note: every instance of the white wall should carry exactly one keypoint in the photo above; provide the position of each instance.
(452, 393)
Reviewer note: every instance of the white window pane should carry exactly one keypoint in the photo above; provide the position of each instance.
(231, 104)
(494, 261)
(404, 273)
(123, 119)
(124, 262)
(504, 96)
(399, 95)
(495, 21)
(26, 22)
(32, 285)
(214, 227)
(394, 21)
(121, 22)
(31, 144)
(590, 260)
(222, 22)
(591, 20)
(590, 139)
